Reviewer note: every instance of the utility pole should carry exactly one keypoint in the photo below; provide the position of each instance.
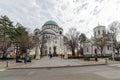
(113, 36)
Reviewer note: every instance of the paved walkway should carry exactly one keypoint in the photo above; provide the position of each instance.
(3, 64)
(55, 62)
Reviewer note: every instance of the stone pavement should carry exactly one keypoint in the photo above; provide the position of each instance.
(55, 62)
(11, 63)
(115, 65)
(3, 63)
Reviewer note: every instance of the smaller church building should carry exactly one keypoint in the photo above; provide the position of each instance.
(91, 45)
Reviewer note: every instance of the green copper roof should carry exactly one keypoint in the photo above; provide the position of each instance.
(50, 22)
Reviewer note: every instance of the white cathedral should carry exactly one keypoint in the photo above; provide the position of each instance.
(53, 34)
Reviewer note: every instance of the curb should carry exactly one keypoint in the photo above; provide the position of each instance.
(68, 66)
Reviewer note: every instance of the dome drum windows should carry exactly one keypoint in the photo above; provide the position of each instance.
(47, 26)
(54, 26)
(48, 36)
(51, 26)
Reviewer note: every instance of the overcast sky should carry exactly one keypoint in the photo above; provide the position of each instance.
(81, 14)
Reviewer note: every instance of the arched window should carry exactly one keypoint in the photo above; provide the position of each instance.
(55, 41)
(108, 47)
(46, 36)
(95, 33)
(87, 49)
(47, 26)
(60, 32)
(51, 26)
(44, 27)
(103, 32)
(98, 32)
(36, 33)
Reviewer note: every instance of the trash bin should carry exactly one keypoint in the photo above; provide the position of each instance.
(86, 58)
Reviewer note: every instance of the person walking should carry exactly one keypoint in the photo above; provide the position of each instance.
(96, 57)
(50, 55)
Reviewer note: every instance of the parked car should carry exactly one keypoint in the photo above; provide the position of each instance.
(116, 57)
(28, 59)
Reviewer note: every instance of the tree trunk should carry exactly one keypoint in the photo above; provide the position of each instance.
(101, 52)
(73, 52)
(117, 51)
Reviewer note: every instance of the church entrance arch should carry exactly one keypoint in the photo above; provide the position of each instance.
(46, 51)
(50, 49)
(54, 51)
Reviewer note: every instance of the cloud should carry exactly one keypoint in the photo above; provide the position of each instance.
(81, 14)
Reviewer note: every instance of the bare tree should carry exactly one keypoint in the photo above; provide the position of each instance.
(39, 40)
(114, 28)
(101, 42)
(42, 44)
(72, 39)
(82, 39)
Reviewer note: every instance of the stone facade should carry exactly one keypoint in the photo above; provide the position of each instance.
(53, 36)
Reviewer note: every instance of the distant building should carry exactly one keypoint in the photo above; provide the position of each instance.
(90, 45)
(53, 37)
(99, 31)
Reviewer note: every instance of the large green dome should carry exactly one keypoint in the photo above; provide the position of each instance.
(50, 22)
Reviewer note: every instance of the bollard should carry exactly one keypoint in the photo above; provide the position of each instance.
(106, 61)
(7, 64)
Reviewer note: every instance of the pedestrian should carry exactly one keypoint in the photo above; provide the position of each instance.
(3, 55)
(96, 57)
(50, 55)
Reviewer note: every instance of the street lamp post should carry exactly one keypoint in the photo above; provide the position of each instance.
(113, 36)
(17, 52)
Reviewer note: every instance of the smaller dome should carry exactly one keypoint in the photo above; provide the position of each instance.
(36, 29)
(49, 31)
